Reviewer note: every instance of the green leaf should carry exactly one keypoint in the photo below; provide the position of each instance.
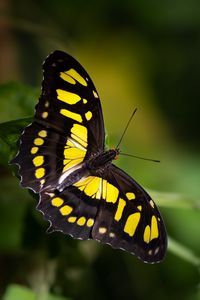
(16, 292)
(17, 101)
(183, 252)
(9, 135)
(174, 200)
(13, 208)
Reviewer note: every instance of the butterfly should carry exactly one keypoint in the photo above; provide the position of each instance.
(62, 157)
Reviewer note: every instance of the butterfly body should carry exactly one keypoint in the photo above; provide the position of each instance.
(62, 157)
(98, 162)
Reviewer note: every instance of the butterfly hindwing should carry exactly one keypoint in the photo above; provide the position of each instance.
(71, 211)
(68, 124)
(132, 222)
(119, 212)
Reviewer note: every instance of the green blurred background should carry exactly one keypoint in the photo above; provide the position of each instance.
(143, 54)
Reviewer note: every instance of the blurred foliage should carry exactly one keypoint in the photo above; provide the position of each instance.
(139, 53)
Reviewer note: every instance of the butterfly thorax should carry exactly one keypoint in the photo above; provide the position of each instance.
(94, 165)
(102, 159)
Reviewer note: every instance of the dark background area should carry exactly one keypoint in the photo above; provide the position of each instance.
(142, 54)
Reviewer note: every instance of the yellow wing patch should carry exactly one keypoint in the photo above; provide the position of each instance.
(67, 78)
(130, 196)
(81, 221)
(88, 115)
(132, 223)
(154, 228)
(91, 186)
(67, 97)
(39, 173)
(111, 193)
(69, 114)
(38, 141)
(74, 74)
(75, 149)
(120, 209)
(34, 150)
(152, 232)
(66, 210)
(42, 133)
(79, 134)
(147, 234)
(98, 188)
(38, 160)
(57, 201)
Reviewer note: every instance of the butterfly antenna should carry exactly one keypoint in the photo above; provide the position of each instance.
(126, 128)
(144, 158)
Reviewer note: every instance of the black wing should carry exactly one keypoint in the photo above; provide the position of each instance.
(68, 124)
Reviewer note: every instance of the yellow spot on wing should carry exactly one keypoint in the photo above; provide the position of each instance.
(39, 173)
(147, 233)
(90, 222)
(57, 201)
(111, 193)
(45, 114)
(69, 114)
(154, 228)
(67, 97)
(38, 160)
(120, 209)
(34, 150)
(66, 210)
(84, 101)
(81, 221)
(38, 141)
(42, 133)
(139, 207)
(88, 115)
(67, 78)
(72, 219)
(132, 223)
(130, 196)
(73, 73)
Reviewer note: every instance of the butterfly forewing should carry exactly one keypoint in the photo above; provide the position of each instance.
(67, 119)
(99, 202)
(69, 96)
